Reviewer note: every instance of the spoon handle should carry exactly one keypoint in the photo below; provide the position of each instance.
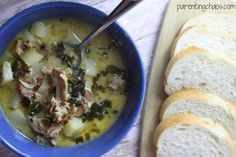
(122, 8)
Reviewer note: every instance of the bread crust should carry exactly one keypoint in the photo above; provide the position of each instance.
(175, 42)
(189, 21)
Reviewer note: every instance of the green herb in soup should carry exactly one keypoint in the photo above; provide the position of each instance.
(51, 99)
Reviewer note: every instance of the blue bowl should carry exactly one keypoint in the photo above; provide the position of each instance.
(136, 90)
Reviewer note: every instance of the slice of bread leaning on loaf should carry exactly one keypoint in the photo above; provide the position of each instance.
(195, 68)
(203, 105)
(215, 41)
(187, 135)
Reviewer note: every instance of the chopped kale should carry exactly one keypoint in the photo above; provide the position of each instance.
(19, 68)
(67, 55)
(106, 103)
(26, 102)
(76, 83)
(42, 47)
(116, 70)
(87, 136)
(97, 111)
(77, 76)
(77, 89)
(61, 52)
(97, 108)
(35, 108)
(75, 101)
(79, 140)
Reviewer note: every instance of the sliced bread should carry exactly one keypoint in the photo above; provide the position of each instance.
(203, 105)
(213, 40)
(220, 21)
(194, 68)
(186, 135)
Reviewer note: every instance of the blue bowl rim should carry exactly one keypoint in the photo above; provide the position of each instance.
(126, 129)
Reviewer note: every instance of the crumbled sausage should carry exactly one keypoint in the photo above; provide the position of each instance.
(27, 92)
(54, 130)
(51, 131)
(59, 110)
(89, 95)
(38, 83)
(76, 111)
(22, 46)
(37, 125)
(116, 82)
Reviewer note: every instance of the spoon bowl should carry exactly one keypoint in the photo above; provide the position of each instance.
(122, 8)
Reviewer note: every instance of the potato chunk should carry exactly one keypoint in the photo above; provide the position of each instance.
(73, 126)
(39, 29)
(31, 57)
(7, 72)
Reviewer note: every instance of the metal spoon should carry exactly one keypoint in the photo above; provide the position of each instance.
(122, 8)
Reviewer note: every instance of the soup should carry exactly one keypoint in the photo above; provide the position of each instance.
(51, 99)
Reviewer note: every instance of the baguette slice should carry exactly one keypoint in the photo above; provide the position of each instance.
(194, 68)
(186, 135)
(221, 21)
(213, 40)
(203, 105)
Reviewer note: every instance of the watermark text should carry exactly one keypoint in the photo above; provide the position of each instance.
(204, 7)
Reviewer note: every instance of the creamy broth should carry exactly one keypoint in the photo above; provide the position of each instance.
(106, 88)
